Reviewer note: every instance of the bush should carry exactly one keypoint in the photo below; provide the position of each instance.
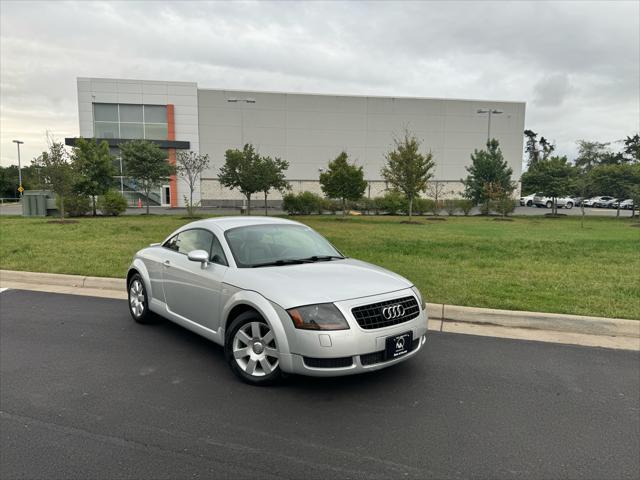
(505, 205)
(466, 206)
(303, 203)
(392, 202)
(330, 205)
(112, 203)
(451, 206)
(75, 205)
(433, 207)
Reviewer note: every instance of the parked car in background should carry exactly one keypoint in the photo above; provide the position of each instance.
(547, 202)
(605, 202)
(528, 200)
(623, 204)
(591, 202)
(626, 204)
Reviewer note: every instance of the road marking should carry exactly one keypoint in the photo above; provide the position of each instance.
(3, 289)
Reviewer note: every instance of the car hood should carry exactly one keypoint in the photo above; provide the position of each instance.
(320, 282)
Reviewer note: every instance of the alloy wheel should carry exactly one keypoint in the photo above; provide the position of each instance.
(136, 298)
(254, 349)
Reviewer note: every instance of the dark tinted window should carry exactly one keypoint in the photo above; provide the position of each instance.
(171, 243)
(217, 254)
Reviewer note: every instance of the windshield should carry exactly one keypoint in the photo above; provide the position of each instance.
(267, 245)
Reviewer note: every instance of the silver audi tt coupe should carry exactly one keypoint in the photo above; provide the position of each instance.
(279, 298)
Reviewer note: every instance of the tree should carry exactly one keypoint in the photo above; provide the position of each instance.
(272, 176)
(191, 165)
(93, 165)
(531, 147)
(547, 148)
(617, 180)
(147, 164)
(631, 148)
(590, 154)
(241, 170)
(487, 174)
(343, 181)
(436, 190)
(554, 176)
(57, 172)
(407, 169)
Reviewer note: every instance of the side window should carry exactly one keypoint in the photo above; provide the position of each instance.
(171, 244)
(191, 240)
(217, 253)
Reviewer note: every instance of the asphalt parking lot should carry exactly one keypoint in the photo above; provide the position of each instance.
(87, 393)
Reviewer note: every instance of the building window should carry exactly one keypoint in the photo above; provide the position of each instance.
(112, 120)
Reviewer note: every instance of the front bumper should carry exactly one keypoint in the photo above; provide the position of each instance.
(347, 352)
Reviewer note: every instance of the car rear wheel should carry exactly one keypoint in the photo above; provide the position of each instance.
(138, 301)
(251, 350)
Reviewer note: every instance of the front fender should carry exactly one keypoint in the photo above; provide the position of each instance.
(264, 307)
(139, 266)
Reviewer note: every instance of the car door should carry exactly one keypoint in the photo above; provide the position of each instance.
(191, 289)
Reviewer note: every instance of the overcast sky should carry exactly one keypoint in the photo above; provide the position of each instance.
(575, 64)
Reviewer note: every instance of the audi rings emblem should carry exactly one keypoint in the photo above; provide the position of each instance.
(393, 311)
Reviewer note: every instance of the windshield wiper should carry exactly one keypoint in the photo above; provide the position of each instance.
(322, 258)
(286, 261)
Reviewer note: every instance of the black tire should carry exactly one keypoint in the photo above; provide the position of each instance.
(568, 205)
(143, 315)
(529, 203)
(549, 204)
(259, 378)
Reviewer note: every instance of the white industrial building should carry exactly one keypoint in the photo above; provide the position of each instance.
(307, 130)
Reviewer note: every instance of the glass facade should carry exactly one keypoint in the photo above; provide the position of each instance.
(113, 120)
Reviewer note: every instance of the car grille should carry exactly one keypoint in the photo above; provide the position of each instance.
(340, 362)
(370, 316)
(378, 357)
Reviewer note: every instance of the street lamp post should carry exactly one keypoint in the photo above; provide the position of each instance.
(241, 100)
(489, 112)
(18, 143)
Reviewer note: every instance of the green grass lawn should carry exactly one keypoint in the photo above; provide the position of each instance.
(532, 263)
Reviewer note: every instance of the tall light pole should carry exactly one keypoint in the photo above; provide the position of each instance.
(18, 143)
(489, 112)
(241, 100)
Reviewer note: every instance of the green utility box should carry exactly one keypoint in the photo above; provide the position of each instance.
(38, 203)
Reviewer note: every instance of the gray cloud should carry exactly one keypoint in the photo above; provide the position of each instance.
(575, 64)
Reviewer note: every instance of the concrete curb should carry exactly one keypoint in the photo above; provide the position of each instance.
(77, 281)
(438, 313)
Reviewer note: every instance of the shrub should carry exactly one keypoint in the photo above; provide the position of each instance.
(112, 203)
(303, 203)
(392, 202)
(75, 205)
(466, 206)
(451, 206)
(432, 207)
(330, 205)
(505, 205)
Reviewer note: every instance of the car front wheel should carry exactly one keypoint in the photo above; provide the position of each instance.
(569, 205)
(549, 204)
(529, 203)
(138, 301)
(251, 350)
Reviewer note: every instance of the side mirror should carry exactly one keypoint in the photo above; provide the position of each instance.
(199, 256)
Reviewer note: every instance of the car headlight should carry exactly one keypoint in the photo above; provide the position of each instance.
(324, 316)
(421, 301)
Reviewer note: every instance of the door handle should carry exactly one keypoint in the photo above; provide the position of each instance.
(167, 263)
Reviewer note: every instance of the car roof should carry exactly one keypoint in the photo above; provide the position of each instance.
(227, 223)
